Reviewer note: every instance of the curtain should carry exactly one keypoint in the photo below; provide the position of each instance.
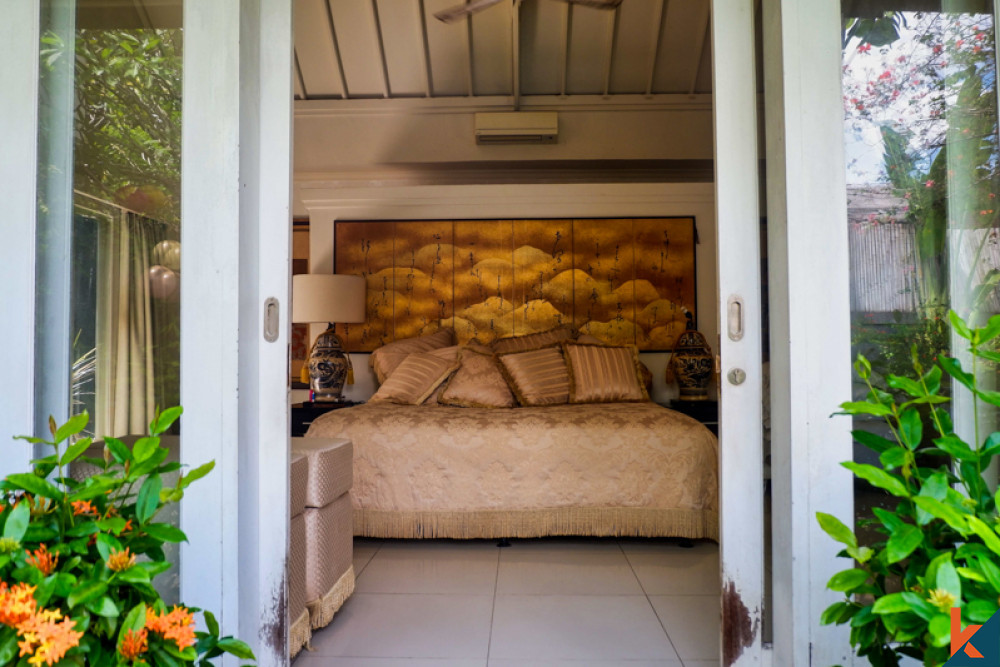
(129, 334)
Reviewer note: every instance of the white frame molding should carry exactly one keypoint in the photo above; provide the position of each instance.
(19, 31)
(810, 321)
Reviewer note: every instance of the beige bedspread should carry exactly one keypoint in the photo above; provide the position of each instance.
(611, 469)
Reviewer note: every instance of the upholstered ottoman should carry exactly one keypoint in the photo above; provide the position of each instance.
(300, 629)
(328, 525)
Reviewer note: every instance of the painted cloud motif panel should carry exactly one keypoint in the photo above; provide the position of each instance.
(625, 281)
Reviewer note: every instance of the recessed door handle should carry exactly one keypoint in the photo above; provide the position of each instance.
(271, 319)
(734, 318)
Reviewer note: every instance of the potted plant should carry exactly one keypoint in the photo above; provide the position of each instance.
(78, 558)
(939, 548)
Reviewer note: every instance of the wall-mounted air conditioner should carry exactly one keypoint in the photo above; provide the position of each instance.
(517, 127)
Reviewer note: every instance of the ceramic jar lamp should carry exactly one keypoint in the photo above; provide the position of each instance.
(330, 298)
(692, 363)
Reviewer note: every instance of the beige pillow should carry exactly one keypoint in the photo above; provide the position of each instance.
(386, 358)
(478, 382)
(537, 377)
(603, 374)
(532, 341)
(589, 339)
(414, 379)
(645, 374)
(449, 354)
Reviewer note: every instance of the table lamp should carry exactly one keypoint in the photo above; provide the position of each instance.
(330, 298)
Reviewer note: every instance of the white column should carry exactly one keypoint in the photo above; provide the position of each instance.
(18, 136)
(810, 321)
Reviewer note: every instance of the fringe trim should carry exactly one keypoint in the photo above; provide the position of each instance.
(299, 634)
(580, 521)
(321, 611)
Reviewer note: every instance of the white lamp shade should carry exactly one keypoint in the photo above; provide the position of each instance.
(324, 297)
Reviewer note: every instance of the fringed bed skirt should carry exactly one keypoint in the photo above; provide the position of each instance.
(321, 611)
(497, 524)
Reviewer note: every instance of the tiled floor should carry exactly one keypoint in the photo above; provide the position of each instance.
(551, 602)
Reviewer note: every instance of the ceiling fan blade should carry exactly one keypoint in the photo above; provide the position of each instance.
(458, 12)
(597, 4)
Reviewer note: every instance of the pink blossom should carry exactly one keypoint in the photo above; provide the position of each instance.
(865, 48)
(929, 183)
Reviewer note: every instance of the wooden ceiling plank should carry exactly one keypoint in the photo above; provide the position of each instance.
(336, 52)
(403, 47)
(358, 47)
(491, 51)
(379, 46)
(428, 82)
(470, 70)
(564, 45)
(655, 50)
(515, 61)
(706, 26)
(609, 48)
(317, 58)
(300, 84)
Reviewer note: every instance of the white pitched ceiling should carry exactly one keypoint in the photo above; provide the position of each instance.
(347, 49)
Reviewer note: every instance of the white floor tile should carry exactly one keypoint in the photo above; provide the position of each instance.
(408, 626)
(562, 627)
(364, 549)
(692, 622)
(312, 660)
(665, 569)
(435, 567)
(565, 568)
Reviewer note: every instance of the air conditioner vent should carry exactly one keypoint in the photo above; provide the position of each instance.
(517, 127)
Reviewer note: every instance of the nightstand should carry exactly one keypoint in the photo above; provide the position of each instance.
(304, 413)
(707, 412)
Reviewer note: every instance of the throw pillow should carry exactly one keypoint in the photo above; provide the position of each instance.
(386, 358)
(478, 383)
(532, 341)
(414, 379)
(537, 377)
(604, 374)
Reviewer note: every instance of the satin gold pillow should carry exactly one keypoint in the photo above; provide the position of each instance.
(532, 341)
(603, 374)
(385, 359)
(537, 377)
(478, 383)
(414, 379)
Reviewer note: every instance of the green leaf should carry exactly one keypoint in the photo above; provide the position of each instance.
(920, 606)
(874, 442)
(195, 474)
(936, 487)
(103, 606)
(236, 647)
(107, 544)
(94, 487)
(144, 448)
(862, 555)
(902, 542)
(956, 448)
(946, 513)
(165, 419)
(889, 519)
(987, 534)
(911, 429)
(74, 451)
(970, 574)
(148, 500)
(86, 592)
(114, 525)
(35, 485)
(948, 579)
(990, 331)
(154, 568)
(990, 571)
(893, 603)
(979, 611)
(135, 620)
(149, 465)
(8, 645)
(933, 380)
(836, 529)
(118, 449)
(74, 425)
(865, 408)
(940, 629)
(959, 326)
(879, 478)
(134, 575)
(894, 458)
(863, 367)
(911, 387)
(953, 368)
(17, 522)
(165, 532)
(991, 446)
(847, 580)
(213, 625)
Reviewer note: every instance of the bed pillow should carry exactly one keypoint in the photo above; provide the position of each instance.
(537, 377)
(450, 354)
(414, 379)
(478, 382)
(386, 358)
(644, 373)
(532, 341)
(604, 373)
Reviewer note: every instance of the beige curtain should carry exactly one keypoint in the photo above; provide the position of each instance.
(126, 367)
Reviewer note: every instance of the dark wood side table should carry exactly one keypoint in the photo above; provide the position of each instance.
(304, 413)
(707, 412)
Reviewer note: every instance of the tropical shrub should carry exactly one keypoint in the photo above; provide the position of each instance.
(939, 547)
(78, 558)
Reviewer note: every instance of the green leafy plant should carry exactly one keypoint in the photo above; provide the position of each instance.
(939, 547)
(78, 558)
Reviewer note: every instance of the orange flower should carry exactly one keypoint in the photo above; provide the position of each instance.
(43, 559)
(128, 526)
(120, 560)
(134, 644)
(83, 507)
(47, 638)
(16, 603)
(178, 625)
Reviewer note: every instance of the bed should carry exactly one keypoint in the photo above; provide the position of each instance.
(613, 469)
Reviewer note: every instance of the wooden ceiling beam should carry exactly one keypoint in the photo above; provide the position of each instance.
(654, 52)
